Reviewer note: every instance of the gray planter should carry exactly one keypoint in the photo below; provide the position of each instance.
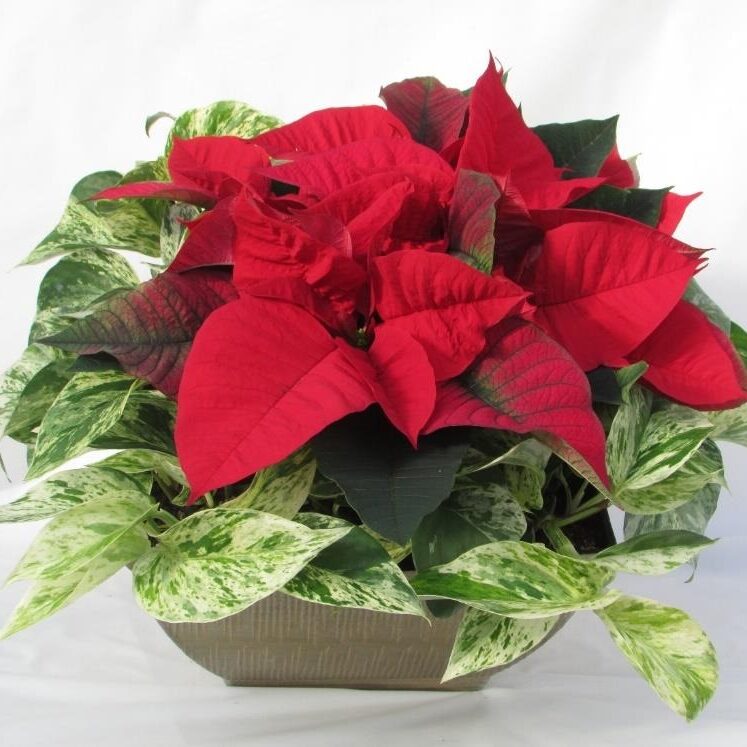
(285, 642)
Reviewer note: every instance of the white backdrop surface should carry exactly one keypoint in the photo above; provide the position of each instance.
(77, 80)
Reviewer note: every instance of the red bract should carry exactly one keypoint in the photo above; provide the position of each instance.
(429, 260)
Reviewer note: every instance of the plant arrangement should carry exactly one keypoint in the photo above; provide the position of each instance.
(425, 338)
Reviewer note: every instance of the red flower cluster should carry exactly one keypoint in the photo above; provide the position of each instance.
(421, 258)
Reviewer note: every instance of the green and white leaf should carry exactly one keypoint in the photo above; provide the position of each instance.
(119, 224)
(79, 535)
(74, 283)
(88, 406)
(50, 595)
(704, 467)
(518, 579)
(174, 230)
(627, 431)
(671, 437)
(395, 551)
(692, 516)
(730, 425)
(472, 516)
(485, 640)
(356, 572)
(17, 377)
(653, 553)
(668, 648)
(218, 562)
(221, 118)
(66, 490)
(280, 489)
(140, 461)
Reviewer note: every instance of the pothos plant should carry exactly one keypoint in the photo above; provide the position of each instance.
(422, 338)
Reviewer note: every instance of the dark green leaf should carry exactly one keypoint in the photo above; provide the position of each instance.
(643, 205)
(581, 147)
(389, 484)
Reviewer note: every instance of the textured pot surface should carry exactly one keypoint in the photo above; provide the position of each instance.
(283, 641)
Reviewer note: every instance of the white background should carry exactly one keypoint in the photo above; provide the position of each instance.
(77, 80)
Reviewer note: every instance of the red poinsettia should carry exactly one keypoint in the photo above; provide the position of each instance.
(433, 260)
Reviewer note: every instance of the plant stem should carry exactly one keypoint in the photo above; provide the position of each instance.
(209, 500)
(558, 540)
(591, 507)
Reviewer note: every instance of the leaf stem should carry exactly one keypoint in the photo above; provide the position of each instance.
(558, 540)
(591, 507)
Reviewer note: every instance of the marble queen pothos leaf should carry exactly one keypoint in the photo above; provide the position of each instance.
(221, 118)
(653, 553)
(17, 377)
(88, 406)
(65, 490)
(692, 516)
(518, 579)
(280, 489)
(485, 640)
(218, 562)
(668, 648)
(354, 572)
(47, 596)
(730, 425)
(78, 536)
(704, 467)
(121, 224)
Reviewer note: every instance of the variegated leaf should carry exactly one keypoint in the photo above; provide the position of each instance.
(395, 551)
(485, 640)
(671, 437)
(65, 490)
(50, 595)
(218, 562)
(280, 489)
(653, 553)
(692, 516)
(88, 406)
(471, 516)
(626, 432)
(354, 572)
(518, 579)
(730, 425)
(75, 538)
(74, 283)
(37, 397)
(123, 224)
(146, 423)
(521, 469)
(139, 461)
(221, 118)
(698, 297)
(17, 377)
(174, 230)
(668, 648)
(705, 466)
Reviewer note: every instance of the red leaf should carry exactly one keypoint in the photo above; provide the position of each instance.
(433, 113)
(202, 170)
(617, 172)
(209, 241)
(267, 247)
(160, 191)
(526, 383)
(602, 287)
(472, 219)
(324, 173)
(149, 329)
(692, 361)
(556, 193)
(368, 208)
(331, 128)
(263, 377)
(672, 209)
(220, 165)
(401, 378)
(443, 303)
(497, 141)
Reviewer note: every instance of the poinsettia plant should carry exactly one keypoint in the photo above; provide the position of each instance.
(425, 337)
